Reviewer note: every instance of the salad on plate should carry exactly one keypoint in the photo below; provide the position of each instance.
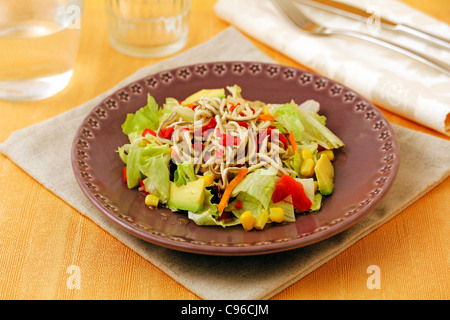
(226, 160)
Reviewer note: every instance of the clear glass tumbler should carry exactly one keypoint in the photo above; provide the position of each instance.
(148, 28)
(38, 46)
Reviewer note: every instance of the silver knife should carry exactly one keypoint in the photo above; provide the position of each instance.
(354, 13)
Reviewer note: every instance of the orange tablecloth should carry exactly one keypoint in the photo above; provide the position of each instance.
(41, 236)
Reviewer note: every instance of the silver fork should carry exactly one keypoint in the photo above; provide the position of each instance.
(303, 22)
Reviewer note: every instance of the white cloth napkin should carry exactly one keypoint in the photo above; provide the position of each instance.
(424, 164)
(385, 77)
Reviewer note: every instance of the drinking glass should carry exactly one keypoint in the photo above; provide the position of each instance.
(148, 28)
(38, 47)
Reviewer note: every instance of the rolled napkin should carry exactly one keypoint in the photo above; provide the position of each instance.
(389, 79)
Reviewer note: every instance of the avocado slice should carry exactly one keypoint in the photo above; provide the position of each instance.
(188, 197)
(325, 175)
(210, 93)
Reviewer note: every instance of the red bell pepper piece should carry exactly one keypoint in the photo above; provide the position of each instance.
(146, 131)
(124, 174)
(234, 106)
(281, 137)
(142, 187)
(166, 133)
(229, 140)
(286, 186)
(211, 124)
(283, 140)
(226, 140)
(282, 190)
(263, 134)
(206, 129)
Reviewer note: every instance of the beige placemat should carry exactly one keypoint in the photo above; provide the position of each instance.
(424, 163)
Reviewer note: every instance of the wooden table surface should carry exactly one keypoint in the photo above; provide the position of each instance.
(41, 236)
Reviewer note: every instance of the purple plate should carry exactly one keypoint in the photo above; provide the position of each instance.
(365, 168)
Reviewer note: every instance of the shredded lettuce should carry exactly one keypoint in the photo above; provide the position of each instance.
(250, 203)
(317, 203)
(258, 185)
(288, 207)
(185, 173)
(209, 215)
(133, 168)
(286, 115)
(140, 159)
(187, 114)
(158, 177)
(295, 163)
(154, 150)
(123, 152)
(247, 203)
(235, 91)
(145, 117)
(166, 110)
(142, 156)
(308, 127)
(308, 187)
(253, 193)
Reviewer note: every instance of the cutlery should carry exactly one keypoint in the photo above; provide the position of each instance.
(297, 17)
(358, 14)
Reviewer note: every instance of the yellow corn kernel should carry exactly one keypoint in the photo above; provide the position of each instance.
(261, 220)
(276, 214)
(307, 168)
(266, 111)
(209, 179)
(247, 220)
(306, 154)
(328, 153)
(151, 200)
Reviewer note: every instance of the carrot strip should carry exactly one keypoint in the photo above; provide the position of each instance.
(266, 117)
(227, 193)
(293, 143)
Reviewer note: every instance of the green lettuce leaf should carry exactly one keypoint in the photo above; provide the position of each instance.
(295, 163)
(250, 203)
(145, 117)
(209, 215)
(139, 159)
(307, 126)
(317, 203)
(247, 203)
(259, 185)
(184, 173)
(156, 169)
(253, 193)
(235, 91)
(167, 108)
(123, 152)
(288, 207)
(133, 168)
